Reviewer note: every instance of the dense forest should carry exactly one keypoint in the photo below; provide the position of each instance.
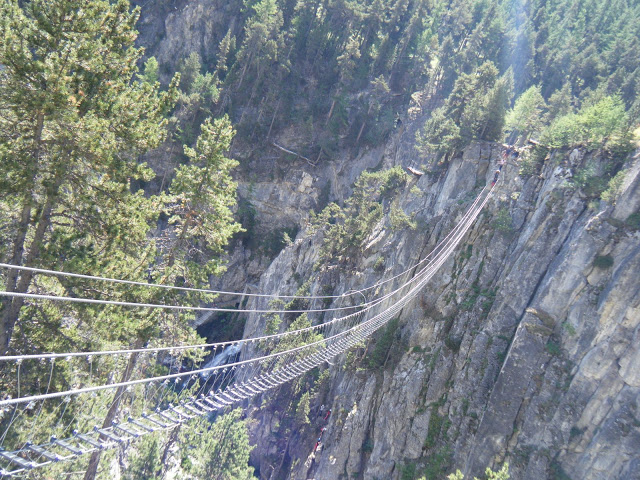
(91, 114)
(346, 71)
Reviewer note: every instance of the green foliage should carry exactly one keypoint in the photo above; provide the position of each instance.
(150, 74)
(77, 116)
(440, 135)
(437, 425)
(570, 329)
(262, 45)
(379, 265)
(202, 194)
(346, 67)
(246, 214)
(408, 471)
(614, 188)
(532, 159)
(502, 221)
(453, 343)
(633, 221)
(557, 472)
(604, 124)
(475, 109)
(561, 102)
(437, 464)
(300, 303)
(189, 69)
(589, 180)
(603, 261)
(367, 446)
(302, 409)
(145, 462)
(377, 357)
(70, 155)
(198, 93)
(346, 229)
(227, 46)
(553, 348)
(274, 241)
(527, 116)
(218, 450)
(307, 337)
(399, 219)
(465, 405)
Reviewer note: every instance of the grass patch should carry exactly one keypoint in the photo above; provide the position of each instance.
(502, 221)
(603, 261)
(576, 432)
(367, 446)
(571, 330)
(557, 472)
(437, 425)
(453, 343)
(633, 221)
(408, 471)
(553, 348)
(438, 464)
(379, 265)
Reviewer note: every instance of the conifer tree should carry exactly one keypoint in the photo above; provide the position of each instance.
(73, 125)
(202, 196)
(527, 116)
(263, 40)
(227, 46)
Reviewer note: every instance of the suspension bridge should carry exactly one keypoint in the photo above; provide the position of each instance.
(237, 370)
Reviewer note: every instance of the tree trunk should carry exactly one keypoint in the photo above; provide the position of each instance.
(6, 328)
(333, 104)
(8, 310)
(364, 122)
(13, 305)
(360, 132)
(244, 70)
(273, 119)
(173, 438)
(94, 461)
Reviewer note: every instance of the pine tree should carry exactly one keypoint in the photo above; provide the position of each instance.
(227, 46)
(203, 193)
(145, 462)
(496, 103)
(263, 40)
(150, 74)
(440, 135)
(560, 102)
(527, 116)
(73, 125)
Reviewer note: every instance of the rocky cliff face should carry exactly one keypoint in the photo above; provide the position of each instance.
(524, 348)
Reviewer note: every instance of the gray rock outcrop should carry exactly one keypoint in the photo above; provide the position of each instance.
(524, 348)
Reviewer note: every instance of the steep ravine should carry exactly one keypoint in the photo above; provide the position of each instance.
(524, 348)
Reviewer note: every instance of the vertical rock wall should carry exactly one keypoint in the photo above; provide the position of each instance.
(524, 348)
